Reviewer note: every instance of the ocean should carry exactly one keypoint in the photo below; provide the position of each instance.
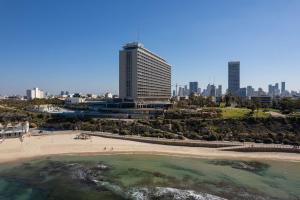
(148, 177)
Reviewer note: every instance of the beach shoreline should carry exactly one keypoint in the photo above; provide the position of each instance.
(63, 143)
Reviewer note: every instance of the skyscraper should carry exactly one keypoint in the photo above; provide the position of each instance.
(193, 87)
(219, 91)
(234, 77)
(143, 75)
(250, 91)
(212, 92)
(282, 87)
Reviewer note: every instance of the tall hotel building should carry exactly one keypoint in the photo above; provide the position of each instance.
(234, 77)
(143, 75)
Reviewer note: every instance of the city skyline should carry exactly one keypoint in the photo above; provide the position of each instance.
(47, 46)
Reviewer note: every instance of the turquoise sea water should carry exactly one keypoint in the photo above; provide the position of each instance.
(147, 177)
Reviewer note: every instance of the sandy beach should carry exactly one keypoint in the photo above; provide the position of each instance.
(64, 143)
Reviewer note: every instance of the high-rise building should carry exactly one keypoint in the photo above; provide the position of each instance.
(282, 87)
(250, 91)
(276, 89)
(199, 90)
(35, 93)
(181, 91)
(243, 92)
(212, 91)
(271, 90)
(143, 75)
(186, 91)
(193, 87)
(219, 91)
(234, 77)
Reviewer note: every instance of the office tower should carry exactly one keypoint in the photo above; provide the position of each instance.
(219, 91)
(260, 92)
(271, 90)
(207, 91)
(174, 93)
(276, 89)
(212, 92)
(143, 75)
(243, 92)
(282, 87)
(250, 91)
(193, 87)
(181, 91)
(186, 91)
(234, 77)
(35, 93)
(199, 91)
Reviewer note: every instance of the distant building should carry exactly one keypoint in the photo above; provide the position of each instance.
(276, 89)
(35, 93)
(74, 100)
(212, 92)
(199, 91)
(234, 77)
(219, 91)
(243, 92)
(186, 91)
(282, 88)
(250, 91)
(193, 88)
(181, 92)
(108, 95)
(263, 100)
(273, 90)
(143, 75)
(260, 92)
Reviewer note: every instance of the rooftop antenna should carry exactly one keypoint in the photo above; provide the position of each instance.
(138, 34)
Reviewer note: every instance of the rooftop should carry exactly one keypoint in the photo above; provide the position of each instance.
(135, 45)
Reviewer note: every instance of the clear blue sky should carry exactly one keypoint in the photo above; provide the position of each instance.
(73, 45)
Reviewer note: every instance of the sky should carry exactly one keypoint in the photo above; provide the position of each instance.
(74, 44)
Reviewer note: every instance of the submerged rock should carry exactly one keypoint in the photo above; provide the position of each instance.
(251, 166)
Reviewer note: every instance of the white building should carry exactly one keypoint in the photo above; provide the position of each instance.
(35, 93)
(108, 95)
(143, 75)
(74, 100)
(16, 130)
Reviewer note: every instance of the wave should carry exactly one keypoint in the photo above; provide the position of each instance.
(151, 193)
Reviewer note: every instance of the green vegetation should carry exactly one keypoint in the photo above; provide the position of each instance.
(229, 112)
(196, 118)
(234, 113)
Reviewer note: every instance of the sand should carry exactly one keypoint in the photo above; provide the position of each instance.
(64, 143)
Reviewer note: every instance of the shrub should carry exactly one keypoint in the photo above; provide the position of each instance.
(286, 141)
(268, 140)
(212, 137)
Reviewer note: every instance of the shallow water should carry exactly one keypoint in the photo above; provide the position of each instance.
(148, 177)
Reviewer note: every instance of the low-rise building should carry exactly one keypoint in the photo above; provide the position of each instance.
(263, 100)
(74, 100)
(12, 131)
